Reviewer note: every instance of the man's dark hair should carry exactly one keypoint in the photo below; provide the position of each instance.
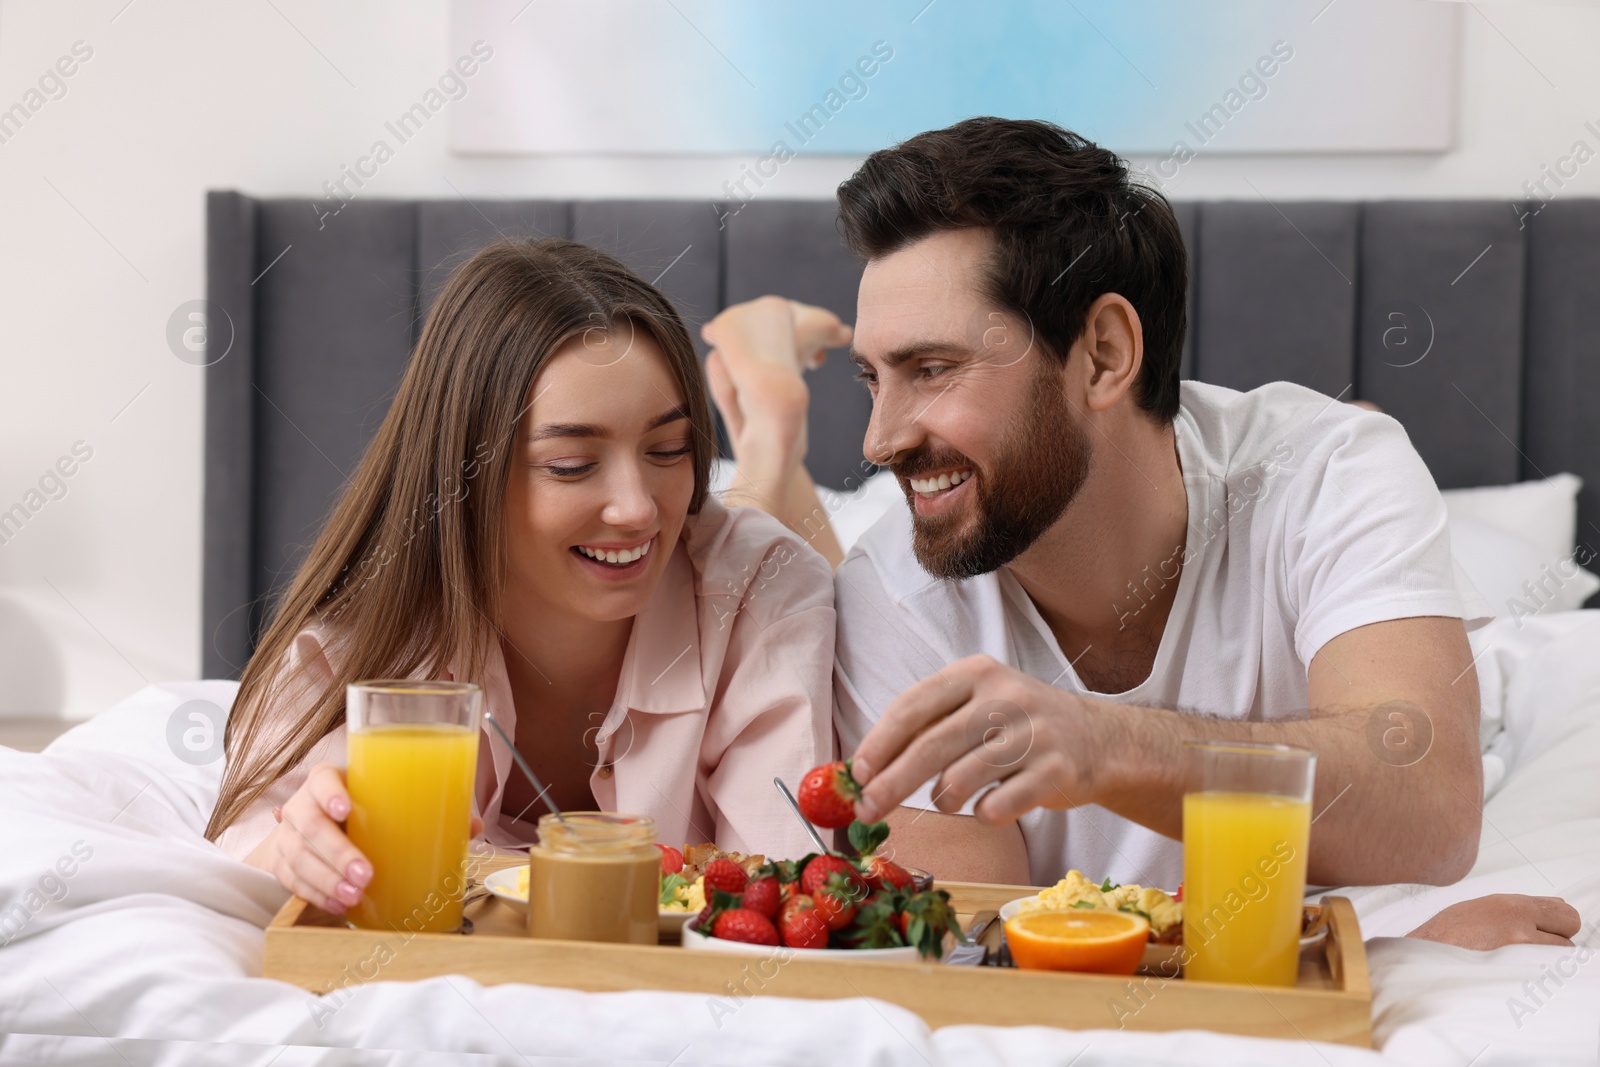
(1052, 200)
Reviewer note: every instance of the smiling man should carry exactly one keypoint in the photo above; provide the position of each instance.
(1099, 562)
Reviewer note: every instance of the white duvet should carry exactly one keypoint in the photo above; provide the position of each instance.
(128, 939)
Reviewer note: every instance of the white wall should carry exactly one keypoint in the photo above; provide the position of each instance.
(101, 237)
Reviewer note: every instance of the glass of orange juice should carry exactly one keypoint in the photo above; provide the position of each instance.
(1246, 828)
(412, 761)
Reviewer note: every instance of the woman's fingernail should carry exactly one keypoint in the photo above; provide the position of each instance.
(349, 893)
(866, 810)
(861, 771)
(334, 906)
(359, 872)
(338, 807)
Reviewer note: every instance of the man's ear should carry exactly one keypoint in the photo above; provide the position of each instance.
(1113, 340)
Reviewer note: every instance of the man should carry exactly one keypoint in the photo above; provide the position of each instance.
(1104, 562)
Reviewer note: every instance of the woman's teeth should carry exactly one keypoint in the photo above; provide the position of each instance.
(612, 555)
(929, 486)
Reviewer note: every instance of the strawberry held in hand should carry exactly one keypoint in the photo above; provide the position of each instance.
(828, 795)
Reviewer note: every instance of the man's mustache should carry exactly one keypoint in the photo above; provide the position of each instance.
(923, 460)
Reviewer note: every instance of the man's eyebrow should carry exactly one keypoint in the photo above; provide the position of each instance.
(583, 429)
(904, 353)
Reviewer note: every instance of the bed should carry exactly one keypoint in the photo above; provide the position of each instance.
(126, 938)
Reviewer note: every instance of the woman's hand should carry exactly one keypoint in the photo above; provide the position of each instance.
(1503, 919)
(308, 851)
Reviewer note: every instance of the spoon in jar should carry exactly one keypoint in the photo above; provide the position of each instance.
(544, 791)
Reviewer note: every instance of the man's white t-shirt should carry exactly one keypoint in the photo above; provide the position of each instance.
(1307, 518)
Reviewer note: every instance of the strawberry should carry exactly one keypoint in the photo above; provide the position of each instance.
(799, 925)
(671, 859)
(828, 794)
(762, 893)
(837, 900)
(881, 872)
(877, 924)
(725, 876)
(924, 918)
(821, 868)
(742, 924)
(1178, 896)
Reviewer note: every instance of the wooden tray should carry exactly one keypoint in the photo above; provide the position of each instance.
(1332, 1002)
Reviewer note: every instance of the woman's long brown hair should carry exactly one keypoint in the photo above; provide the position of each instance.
(407, 572)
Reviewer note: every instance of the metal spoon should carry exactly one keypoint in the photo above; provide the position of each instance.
(544, 792)
(794, 806)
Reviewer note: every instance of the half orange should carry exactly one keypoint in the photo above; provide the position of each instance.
(1078, 939)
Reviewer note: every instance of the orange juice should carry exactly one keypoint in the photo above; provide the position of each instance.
(411, 805)
(1244, 883)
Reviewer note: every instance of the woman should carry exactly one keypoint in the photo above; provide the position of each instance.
(533, 516)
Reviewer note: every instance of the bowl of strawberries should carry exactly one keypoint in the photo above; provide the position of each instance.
(866, 905)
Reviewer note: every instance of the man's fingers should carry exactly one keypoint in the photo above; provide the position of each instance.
(912, 711)
(1558, 917)
(1540, 937)
(1016, 796)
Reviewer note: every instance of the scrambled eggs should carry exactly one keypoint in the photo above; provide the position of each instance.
(690, 897)
(1076, 891)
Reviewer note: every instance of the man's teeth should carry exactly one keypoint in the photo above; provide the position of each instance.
(944, 481)
(612, 555)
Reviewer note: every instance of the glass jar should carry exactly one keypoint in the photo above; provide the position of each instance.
(595, 876)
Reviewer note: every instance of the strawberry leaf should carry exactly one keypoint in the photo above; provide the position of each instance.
(867, 837)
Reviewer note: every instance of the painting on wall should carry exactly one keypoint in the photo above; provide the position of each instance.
(1165, 78)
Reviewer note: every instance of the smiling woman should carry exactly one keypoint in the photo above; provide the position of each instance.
(533, 515)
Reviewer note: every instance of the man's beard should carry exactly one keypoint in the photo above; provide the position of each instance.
(1041, 463)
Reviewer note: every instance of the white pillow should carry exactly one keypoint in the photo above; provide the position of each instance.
(1499, 564)
(1509, 536)
(1542, 513)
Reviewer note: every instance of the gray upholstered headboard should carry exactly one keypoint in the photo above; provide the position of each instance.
(1476, 324)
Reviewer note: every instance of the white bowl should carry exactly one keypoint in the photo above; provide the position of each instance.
(503, 884)
(695, 940)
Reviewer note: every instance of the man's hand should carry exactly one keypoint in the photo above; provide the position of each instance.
(1393, 723)
(1503, 919)
(976, 722)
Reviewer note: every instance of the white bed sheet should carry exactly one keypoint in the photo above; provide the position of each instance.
(152, 952)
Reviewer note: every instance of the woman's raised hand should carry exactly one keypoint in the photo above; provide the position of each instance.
(308, 851)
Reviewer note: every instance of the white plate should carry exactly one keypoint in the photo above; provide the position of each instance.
(694, 939)
(503, 884)
(1010, 908)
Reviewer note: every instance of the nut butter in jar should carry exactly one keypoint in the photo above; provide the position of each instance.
(595, 876)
